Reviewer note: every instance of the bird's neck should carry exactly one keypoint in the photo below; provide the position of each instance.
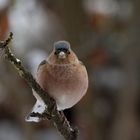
(67, 61)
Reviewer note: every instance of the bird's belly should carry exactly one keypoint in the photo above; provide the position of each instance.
(68, 92)
(66, 101)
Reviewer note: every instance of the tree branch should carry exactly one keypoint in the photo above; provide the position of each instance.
(58, 118)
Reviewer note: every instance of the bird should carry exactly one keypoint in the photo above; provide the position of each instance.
(63, 76)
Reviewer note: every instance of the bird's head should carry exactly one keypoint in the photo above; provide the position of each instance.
(62, 53)
(62, 49)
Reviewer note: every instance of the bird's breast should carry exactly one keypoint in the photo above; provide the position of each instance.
(66, 84)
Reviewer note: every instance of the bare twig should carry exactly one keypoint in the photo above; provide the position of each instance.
(51, 113)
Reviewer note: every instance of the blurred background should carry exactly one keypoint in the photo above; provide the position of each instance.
(105, 34)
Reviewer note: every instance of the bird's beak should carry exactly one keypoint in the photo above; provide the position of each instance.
(62, 55)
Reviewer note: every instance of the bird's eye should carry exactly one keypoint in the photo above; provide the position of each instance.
(62, 49)
(57, 52)
(66, 51)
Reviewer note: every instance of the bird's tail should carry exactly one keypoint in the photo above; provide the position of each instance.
(36, 112)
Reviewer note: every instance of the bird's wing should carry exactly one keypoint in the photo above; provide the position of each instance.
(42, 63)
(36, 113)
(81, 63)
